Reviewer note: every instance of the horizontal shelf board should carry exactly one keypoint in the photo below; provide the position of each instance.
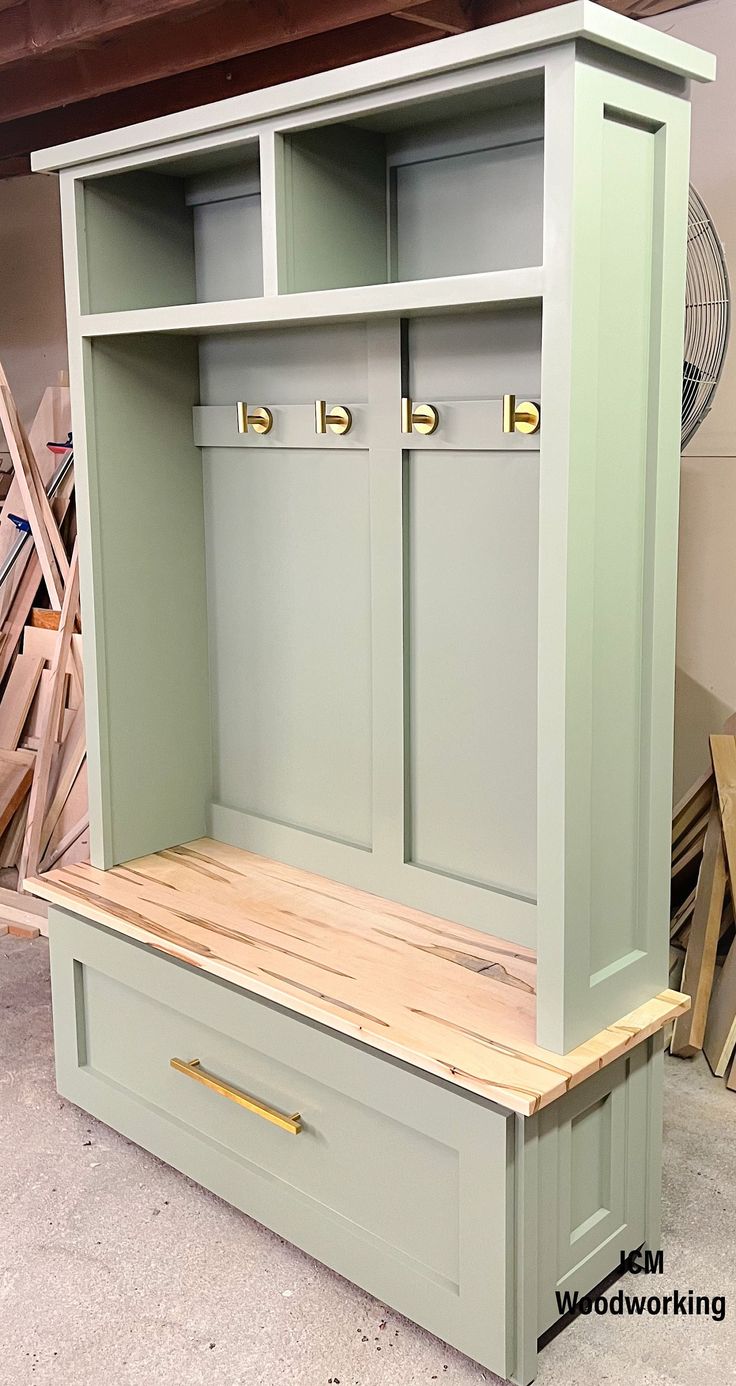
(406, 299)
(579, 20)
(446, 999)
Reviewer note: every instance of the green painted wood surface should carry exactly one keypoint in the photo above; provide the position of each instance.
(387, 736)
(502, 186)
(139, 242)
(290, 622)
(332, 186)
(478, 1218)
(612, 372)
(599, 1158)
(143, 590)
(615, 182)
(429, 1236)
(227, 248)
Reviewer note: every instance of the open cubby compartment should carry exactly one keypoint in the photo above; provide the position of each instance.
(181, 230)
(293, 632)
(444, 187)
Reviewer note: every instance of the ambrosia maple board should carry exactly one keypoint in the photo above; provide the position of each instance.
(447, 999)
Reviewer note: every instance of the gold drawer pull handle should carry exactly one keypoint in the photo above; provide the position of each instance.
(293, 1124)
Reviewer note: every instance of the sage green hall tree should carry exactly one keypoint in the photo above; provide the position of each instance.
(376, 385)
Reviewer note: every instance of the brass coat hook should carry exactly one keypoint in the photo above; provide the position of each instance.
(260, 419)
(520, 418)
(418, 418)
(338, 420)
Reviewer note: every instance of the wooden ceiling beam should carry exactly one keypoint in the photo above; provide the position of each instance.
(116, 109)
(224, 29)
(214, 49)
(34, 29)
(497, 10)
(450, 16)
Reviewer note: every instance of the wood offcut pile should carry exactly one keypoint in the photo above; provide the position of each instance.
(43, 787)
(702, 937)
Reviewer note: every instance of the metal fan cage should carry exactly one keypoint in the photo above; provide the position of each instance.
(707, 316)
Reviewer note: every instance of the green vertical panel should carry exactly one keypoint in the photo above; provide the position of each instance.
(612, 371)
(332, 191)
(472, 540)
(590, 1174)
(596, 1163)
(290, 635)
(620, 592)
(144, 480)
(139, 242)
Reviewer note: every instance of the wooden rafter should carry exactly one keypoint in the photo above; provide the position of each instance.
(73, 69)
(212, 83)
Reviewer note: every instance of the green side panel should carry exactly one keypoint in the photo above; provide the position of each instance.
(143, 593)
(617, 618)
(396, 1181)
(599, 1177)
(332, 209)
(139, 242)
(608, 536)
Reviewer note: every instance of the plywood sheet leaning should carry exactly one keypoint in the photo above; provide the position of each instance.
(17, 698)
(700, 958)
(16, 775)
(43, 803)
(720, 1034)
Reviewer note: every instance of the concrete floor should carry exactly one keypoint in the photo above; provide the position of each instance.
(117, 1271)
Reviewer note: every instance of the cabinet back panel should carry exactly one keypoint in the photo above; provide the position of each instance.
(300, 364)
(471, 528)
(227, 248)
(288, 572)
(471, 605)
(476, 355)
(469, 212)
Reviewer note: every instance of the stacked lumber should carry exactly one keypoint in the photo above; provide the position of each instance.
(702, 934)
(43, 789)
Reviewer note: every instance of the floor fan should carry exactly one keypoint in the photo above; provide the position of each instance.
(707, 316)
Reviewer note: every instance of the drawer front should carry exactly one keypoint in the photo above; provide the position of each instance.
(394, 1180)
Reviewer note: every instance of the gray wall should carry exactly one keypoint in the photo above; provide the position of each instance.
(32, 321)
(706, 643)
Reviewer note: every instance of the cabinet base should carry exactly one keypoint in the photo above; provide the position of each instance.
(468, 1218)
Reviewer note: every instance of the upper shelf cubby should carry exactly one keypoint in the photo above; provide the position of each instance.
(184, 230)
(421, 191)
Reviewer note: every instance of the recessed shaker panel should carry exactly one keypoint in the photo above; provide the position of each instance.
(471, 607)
(471, 528)
(289, 601)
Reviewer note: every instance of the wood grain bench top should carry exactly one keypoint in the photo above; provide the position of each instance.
(445, 998)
